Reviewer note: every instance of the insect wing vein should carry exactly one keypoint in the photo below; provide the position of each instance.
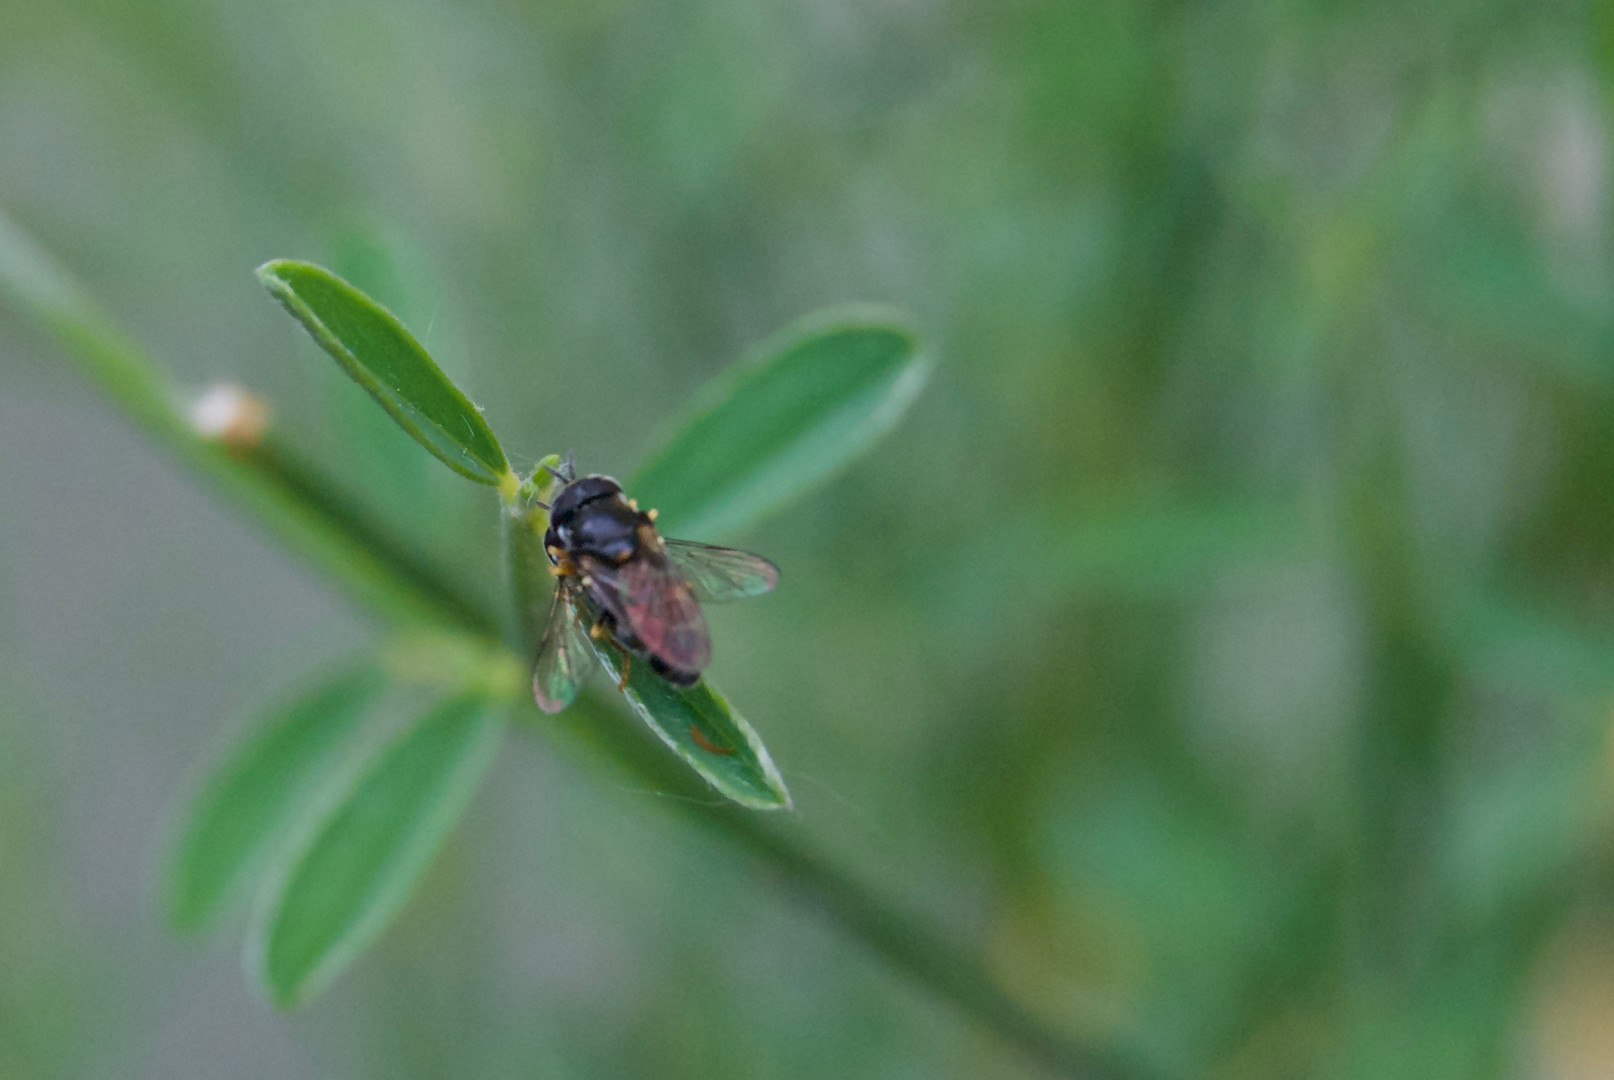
(661, 609)
(563, 653)
(719, 574)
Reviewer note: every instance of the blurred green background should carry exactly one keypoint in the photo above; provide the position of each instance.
(1224, 645)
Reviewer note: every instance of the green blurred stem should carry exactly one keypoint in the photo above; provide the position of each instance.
(297, 479)
(311, 516)
(915, 948)
(380, 576)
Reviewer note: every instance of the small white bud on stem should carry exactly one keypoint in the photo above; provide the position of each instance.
(230, 414)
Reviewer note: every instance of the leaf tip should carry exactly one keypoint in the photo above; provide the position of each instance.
(280, 993)
(274, 272)
(284, 986)
(784, 803)
(855, 318)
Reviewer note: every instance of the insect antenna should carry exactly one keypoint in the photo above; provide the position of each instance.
(567, 471)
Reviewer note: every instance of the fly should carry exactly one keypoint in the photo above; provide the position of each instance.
(643, 593)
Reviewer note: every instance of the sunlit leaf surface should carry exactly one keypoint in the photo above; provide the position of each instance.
(374, 348)
(702, 728)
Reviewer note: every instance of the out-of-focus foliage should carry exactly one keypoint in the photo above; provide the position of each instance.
(359, 865)
(1226, 644)
(786, 419)
(256, 795)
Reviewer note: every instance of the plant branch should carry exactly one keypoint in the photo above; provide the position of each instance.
(916, 948)
(381, 578)
(297, 479)
(310, 515)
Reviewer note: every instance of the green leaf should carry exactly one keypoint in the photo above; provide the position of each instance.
(701, 727)
(362, 861)
(250, 801)
(805, 405)
(380, 355)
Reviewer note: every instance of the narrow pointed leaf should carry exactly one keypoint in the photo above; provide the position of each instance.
(360, 864)
(701, 727)
(790, 417)
(380, 355)
(252, 799)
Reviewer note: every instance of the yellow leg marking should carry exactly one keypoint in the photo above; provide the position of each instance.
(627, 666)
(597, 631)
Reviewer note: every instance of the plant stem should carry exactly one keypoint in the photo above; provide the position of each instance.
(375, 576)
(310, 514)
(298, 479)
(915, 948)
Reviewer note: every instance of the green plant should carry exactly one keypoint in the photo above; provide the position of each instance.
(337, 821)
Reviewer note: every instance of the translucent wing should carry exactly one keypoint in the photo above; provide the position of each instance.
(563, 655)
(717, 574)
(660, 608)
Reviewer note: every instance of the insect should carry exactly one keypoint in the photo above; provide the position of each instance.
(641, 592)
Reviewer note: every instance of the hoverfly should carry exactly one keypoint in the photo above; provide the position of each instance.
(637, 590)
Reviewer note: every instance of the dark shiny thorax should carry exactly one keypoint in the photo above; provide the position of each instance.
(593, 525)
(592, 517)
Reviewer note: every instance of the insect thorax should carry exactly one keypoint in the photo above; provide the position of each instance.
(591, 517)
